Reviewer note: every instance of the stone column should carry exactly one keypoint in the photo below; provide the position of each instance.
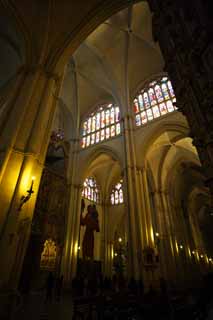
(25, 132)
(105, 239)
(70, 257)
(164, 238)
(132, 202)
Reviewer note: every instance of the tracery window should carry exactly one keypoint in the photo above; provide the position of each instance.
(101, 125)
(116, 196)
(154, 101)
(91, 190)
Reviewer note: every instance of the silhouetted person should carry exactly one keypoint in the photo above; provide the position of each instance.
(58, 287)
(49, 287)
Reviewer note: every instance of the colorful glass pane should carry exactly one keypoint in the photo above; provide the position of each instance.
(102, 119)
(90, 189)
(136, 106)
(112, 116)
(93, 124)
(83, 143)
(170, 106)
(121, 196)
(116, 197)
(174, 103)
(158, 93)
(102, 135)
(112, 131)
(146, 100)
(89, 125)
(152, 96)
(117, 114)
(101, 125)
(107, 133)
(165, 91)
(140, 99)
(155, 111)
(117, 193)
(88, 141)
(107, 117)
(98, 122)
(143, 117)
(170, 89)
(149, 114)
(85, 128)
(93, 138)
(118, 128)
(97, 136)
(163, 109)
(138, 119)
(112, 198)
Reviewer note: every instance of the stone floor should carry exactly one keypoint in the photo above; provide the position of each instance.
(34, 307)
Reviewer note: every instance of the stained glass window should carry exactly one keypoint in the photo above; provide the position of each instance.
(116, 196)
(101, 125)
(154, 101)
(91, 190)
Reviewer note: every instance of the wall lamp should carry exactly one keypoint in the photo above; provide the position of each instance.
(157, 238)
(24, 199)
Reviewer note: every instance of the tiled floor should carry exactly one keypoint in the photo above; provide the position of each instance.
(35, 308)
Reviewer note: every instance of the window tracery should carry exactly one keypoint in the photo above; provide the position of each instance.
(101, 125)
(116, 196)
(154, 101)
(91, 190)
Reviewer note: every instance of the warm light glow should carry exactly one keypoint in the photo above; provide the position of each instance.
(120, 239)
(152, 235)
(210, 259)
(76, 248)
(115, 254)
(193, 252)
(79, 248)
(201, 256)
(176, 245)
(33, 178)
(157, 234)
(25, 181)
(181, 247)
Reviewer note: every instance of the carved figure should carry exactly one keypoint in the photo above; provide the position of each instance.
(92, 224)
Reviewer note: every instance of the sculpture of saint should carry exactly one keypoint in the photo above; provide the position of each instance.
(92, 224)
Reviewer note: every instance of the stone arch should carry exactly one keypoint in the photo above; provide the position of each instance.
(142, 84)
(155, 131)
(94, 153)
(65, 49)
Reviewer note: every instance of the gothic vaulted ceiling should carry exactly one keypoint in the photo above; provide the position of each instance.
(120, 52)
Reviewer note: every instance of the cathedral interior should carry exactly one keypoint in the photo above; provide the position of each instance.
(105, 105)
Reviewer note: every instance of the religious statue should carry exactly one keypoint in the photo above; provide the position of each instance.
(92, 224)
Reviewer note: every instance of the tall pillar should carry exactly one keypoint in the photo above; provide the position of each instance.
(188, 56)
(131, 192)
(25, 131)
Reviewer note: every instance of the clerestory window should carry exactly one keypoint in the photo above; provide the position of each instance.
(116, 196)
(154, 101)
(91, 190)
(101, 125)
